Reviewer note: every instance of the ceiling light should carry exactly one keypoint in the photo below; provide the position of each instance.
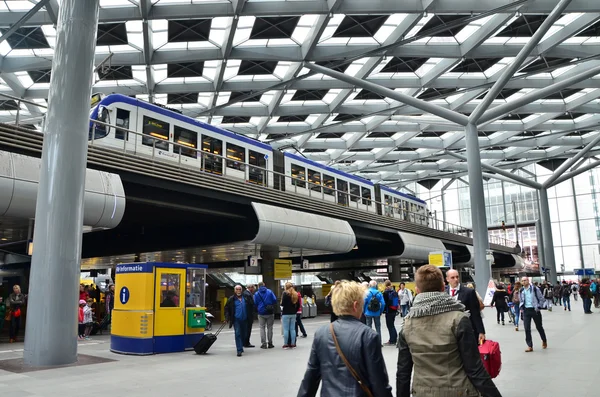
(3, 239)
(203, 250)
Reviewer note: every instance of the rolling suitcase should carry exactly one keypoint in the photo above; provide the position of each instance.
(207, 341)
(491, 357)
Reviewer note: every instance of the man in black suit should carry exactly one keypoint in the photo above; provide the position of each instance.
(467, 297)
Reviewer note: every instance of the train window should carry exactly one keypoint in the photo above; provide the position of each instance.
(366, 195)
(236, 156)
(156, 129)
(298, 175)
(342, 187)
(214, 146)
(329, 184)
(354, 192)
(186, 138)
(122, 121)
(258, 164)
(314, 178)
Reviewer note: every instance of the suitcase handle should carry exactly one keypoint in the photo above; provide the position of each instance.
(220, 328)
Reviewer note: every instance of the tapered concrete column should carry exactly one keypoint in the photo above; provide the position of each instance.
(395, 265)
(481, 244)
(51, 334)
(268, 255)
(549, 259)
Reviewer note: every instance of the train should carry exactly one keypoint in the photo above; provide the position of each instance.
(239, 156)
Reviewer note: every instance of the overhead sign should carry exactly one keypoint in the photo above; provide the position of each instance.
(304, 263)
(283, 269)
(441, 259)
(253, 261)
(124, 295)
(585, 272)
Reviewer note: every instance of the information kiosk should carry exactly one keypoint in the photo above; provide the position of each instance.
(159, 308)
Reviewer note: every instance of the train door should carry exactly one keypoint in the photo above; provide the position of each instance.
(169, 310)
(257, 168)
(342, 187)
(214, 146)
(279, 168)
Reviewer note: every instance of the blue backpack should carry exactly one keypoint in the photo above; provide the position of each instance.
(593, 288)
(393, 300)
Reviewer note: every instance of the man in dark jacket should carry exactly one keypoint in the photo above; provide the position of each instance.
(236, 313)
(390, 296)
(437, 340)
(265, 302)
(249, 295)
(468, 297)
(357, 343)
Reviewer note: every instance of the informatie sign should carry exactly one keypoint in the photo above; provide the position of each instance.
(441, 259)
(283, 269)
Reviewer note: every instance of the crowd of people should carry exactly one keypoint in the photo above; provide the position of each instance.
(243, 304)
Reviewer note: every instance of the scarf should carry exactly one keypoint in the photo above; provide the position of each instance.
(433, 303)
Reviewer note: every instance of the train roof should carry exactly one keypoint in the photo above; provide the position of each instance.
(114, 98)
(328, 169)
(397, 193)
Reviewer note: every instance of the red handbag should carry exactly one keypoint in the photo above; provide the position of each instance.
(17, 313)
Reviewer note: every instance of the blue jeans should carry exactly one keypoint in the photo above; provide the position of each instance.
(404, 310)
(377, 324)
(587, 305)
(567, 301)
(288, 322)
(241, 329)
(517, 313)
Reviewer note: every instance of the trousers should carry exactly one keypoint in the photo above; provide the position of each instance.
(528, 315)
(265, 324)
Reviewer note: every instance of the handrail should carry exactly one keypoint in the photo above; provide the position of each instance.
(388, 209)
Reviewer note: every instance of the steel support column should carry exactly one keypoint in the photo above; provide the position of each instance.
(578, 225)
(51, 334)
(549, 259)
(578, 171)
(481, 244)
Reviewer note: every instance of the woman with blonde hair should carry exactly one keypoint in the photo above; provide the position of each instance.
(346, 355)
(289, 305)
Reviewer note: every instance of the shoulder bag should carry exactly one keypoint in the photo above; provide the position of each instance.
(355, 374)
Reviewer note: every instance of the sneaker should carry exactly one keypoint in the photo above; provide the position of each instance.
(239, 354)
(263, 346)
(292, 346)
(249, 345)
(270, 346)
(502, 322)
(304, 336)
(286, 347)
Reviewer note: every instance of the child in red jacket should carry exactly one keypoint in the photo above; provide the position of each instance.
(81, 333)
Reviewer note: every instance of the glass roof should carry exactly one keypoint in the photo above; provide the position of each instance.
(240, 64)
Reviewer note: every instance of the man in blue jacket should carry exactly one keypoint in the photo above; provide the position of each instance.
(532, 301)
(374, 307)
(265, 302)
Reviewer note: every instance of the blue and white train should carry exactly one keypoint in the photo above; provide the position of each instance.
(245, 158)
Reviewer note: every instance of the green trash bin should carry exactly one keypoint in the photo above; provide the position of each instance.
(196, 318)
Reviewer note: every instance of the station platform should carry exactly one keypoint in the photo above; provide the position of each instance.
(567, 368)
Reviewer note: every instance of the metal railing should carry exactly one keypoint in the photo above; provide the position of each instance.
(261, 176)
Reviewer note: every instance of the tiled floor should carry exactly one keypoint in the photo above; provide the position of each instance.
(568, 368)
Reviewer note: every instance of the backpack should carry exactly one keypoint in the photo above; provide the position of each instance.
(374, 304)
(593, 288)
(393, 300)
(548, 293)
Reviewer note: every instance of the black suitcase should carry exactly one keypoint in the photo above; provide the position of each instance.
(207, 341)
